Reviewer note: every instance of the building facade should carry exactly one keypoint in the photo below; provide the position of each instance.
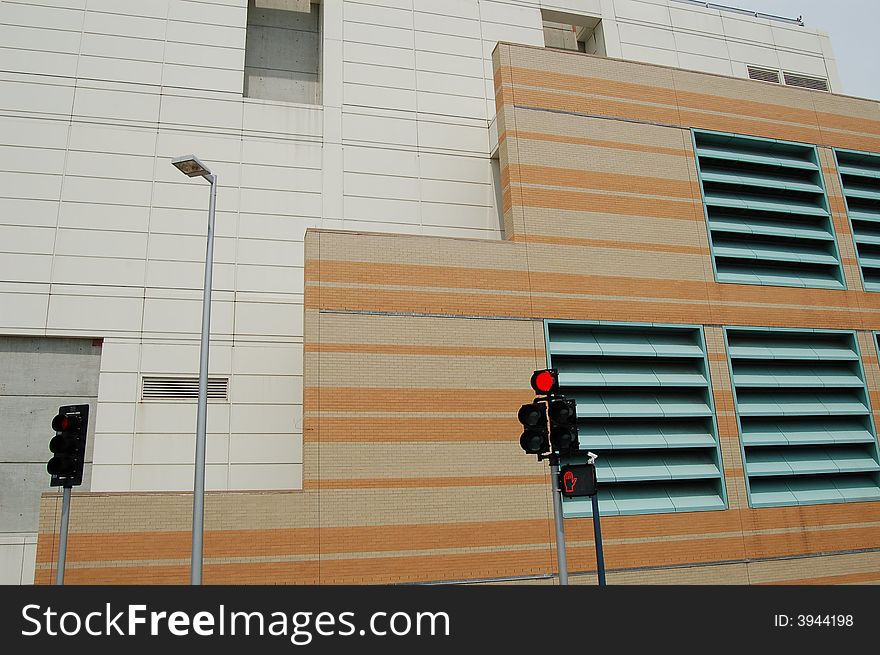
(529, 200)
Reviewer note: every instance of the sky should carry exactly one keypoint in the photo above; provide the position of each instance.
(853, 28)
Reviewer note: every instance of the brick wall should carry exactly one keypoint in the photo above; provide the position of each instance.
(410, 473)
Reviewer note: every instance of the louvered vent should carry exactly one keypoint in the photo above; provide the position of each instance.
(763, 74)
(171, 388)
(805, 81)
(768, 215)
(805, 420)
(860, 177)
(644, 406)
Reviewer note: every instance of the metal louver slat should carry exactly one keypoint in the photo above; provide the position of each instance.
(767, 213)
(644, 405)
(805, 81)
(860, 179)
(805, 420)
(182, 388)
(763, 74)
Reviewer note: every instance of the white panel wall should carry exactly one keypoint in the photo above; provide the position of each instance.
(100, 236)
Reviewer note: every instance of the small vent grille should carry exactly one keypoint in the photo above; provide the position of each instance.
(860, 176)
(644, 406)
(805, 81)
(768, 215)
(763, 74)
(805, 420)
(156, 388)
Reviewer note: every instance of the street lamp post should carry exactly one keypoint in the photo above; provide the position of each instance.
(190, 166)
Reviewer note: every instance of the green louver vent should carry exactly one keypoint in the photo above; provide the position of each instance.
(644, 406)
(860, 177)
(768, 216)
(805, 420)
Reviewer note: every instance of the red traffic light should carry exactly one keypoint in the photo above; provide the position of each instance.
(545, 381)
(60, 423)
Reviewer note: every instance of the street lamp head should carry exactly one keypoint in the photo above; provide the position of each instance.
(191, 166)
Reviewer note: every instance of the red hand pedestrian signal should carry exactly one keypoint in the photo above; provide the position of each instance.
(569, 480)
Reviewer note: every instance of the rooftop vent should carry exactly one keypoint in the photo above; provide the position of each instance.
(805, 81)
(763, 74)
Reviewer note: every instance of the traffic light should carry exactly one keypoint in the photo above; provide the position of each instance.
(545, 382)
(534, 438)
(68, 446)
(563, 425)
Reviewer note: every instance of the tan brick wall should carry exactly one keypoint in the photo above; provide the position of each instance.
(418, 351)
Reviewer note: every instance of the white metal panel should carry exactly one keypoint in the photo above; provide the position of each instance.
(377, 15)
(24, 310)
(182, 110)
(167, 418)
(104, 103)
(97, 270)
(141, 27)
(268, 319)
(35, 62)
(272, 419)
(18, 267)
(178, 448)
(265, 476)
(115, 418)
(112, 449)
(176, 315)
(37, 97)
(381, 186)
(125, 47)
(112, 477)
(283, 360)
(265, 449)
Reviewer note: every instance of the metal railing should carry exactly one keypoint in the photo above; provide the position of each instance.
(745, 12)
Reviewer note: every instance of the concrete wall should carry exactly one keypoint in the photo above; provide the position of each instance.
(95, 99)
(37, 375)
(282, 54)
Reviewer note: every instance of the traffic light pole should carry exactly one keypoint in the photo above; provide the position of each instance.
(561, 558)
(62, 544)
(597, 536)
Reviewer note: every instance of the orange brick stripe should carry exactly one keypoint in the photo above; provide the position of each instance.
(680, 98)
(410, 430)
(618, 182)
(153, 574)
(617, 145)
(412, 349)
(778, 545)
(843, 578)
(500, 279)
(424, 482)
(698, 119)
(355, 399)
(683, 210)
(636, 309)
(301, 541)
(614, 245)
(450, 277)
(407, 301)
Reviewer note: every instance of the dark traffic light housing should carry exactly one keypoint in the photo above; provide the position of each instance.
(563, 425)
(68, 446)
(534, 439)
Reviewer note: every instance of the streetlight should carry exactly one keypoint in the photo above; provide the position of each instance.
(190, 166)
